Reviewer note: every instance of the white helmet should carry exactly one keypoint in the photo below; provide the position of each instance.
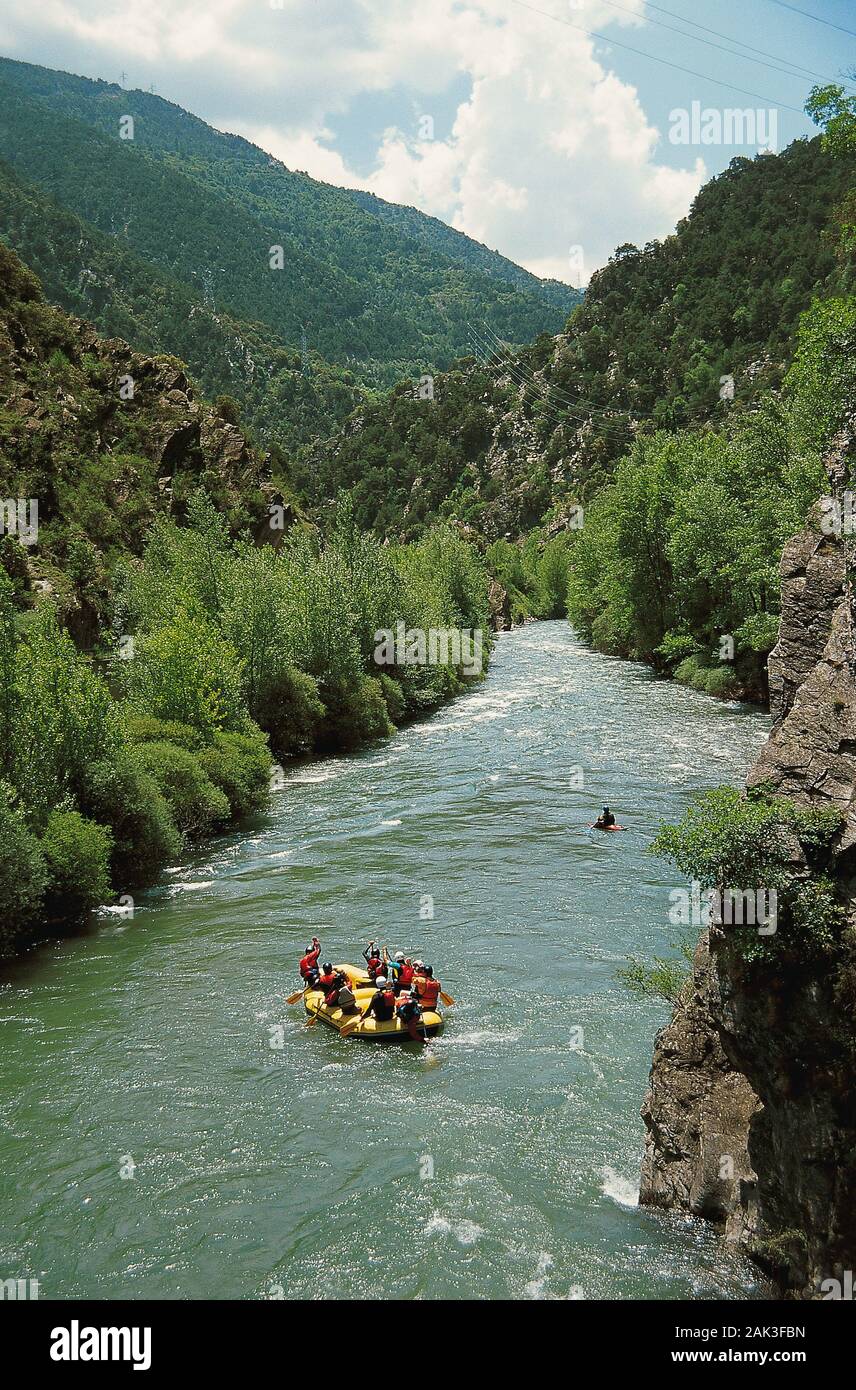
(381, 980)
(399, 955)
(419, 964)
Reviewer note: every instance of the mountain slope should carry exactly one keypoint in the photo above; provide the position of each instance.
(96, 276)
(387, 291)
(99, 459)
(513, 436)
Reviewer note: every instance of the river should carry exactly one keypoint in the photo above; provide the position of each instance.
(263, 1158)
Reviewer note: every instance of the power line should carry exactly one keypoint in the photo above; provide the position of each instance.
(817, 19)
(609, 419)
(558, 412)
(801, 72)
(640, 52)
(563, 398)
(695, 25)
(528, 380)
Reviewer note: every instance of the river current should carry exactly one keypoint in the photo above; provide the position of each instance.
(171, 1129)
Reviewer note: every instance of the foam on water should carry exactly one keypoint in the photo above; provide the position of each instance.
(623, 1191)
(515, 1152)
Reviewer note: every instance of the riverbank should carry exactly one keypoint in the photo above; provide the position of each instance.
(516, 1142)
(234, 654)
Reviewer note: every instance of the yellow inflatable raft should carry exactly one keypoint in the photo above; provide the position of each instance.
(313, 1002)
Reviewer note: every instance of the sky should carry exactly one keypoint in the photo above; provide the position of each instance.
(552, 131)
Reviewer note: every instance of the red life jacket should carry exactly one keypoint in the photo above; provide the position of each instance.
(387, 1002)
(309, 962)
(429, 993)
(326, 982)
(405, 978)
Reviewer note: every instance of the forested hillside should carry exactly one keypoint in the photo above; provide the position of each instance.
(168, 619)
(663, 337)
(284, 400)
(670, 439)
(385, 292)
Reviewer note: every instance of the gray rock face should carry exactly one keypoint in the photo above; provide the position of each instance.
(697, 1111)
(750, 1114)
(500, 607)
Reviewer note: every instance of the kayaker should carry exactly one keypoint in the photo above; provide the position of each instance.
(309, 963)
(605, 820)
(383, 1001)
(427, 989)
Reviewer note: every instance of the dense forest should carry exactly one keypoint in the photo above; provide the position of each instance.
(168, 623)
(509, 437)
(695, 389)
(166, 238)
(286, 397)
(196, 603)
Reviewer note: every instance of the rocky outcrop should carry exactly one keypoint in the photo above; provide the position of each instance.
(500, 607)
(697, 1112)
(750, 1114)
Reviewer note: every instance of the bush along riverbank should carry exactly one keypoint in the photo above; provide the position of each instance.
(677, 563)
(221, 657)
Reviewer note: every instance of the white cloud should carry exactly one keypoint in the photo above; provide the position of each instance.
(549, 150)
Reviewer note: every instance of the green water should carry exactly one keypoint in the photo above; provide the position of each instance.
(305, 1167)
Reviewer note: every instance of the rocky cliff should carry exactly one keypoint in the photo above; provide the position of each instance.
(751, 1108)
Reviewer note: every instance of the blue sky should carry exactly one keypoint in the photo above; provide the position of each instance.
(506, 118)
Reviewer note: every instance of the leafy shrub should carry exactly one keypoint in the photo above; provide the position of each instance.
(759, 633)
(695, 672)
(353, 714)
(664, 979)
(240, 765)
(394, 697)
(23, 876)
(144, 728)
(77, 859)
(726, 841)
(291, 710)
(122, 795)
(228, 409)
(720, 681)
(64, 719)
(196, 805)
(553, 567)
(185, 671)
(677, 647)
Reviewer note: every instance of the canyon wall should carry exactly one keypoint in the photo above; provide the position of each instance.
(750, 1114)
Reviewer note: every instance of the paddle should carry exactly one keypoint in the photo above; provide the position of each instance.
(314, 1018)
(347, 1029)
(446, 998)
(295, 998)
